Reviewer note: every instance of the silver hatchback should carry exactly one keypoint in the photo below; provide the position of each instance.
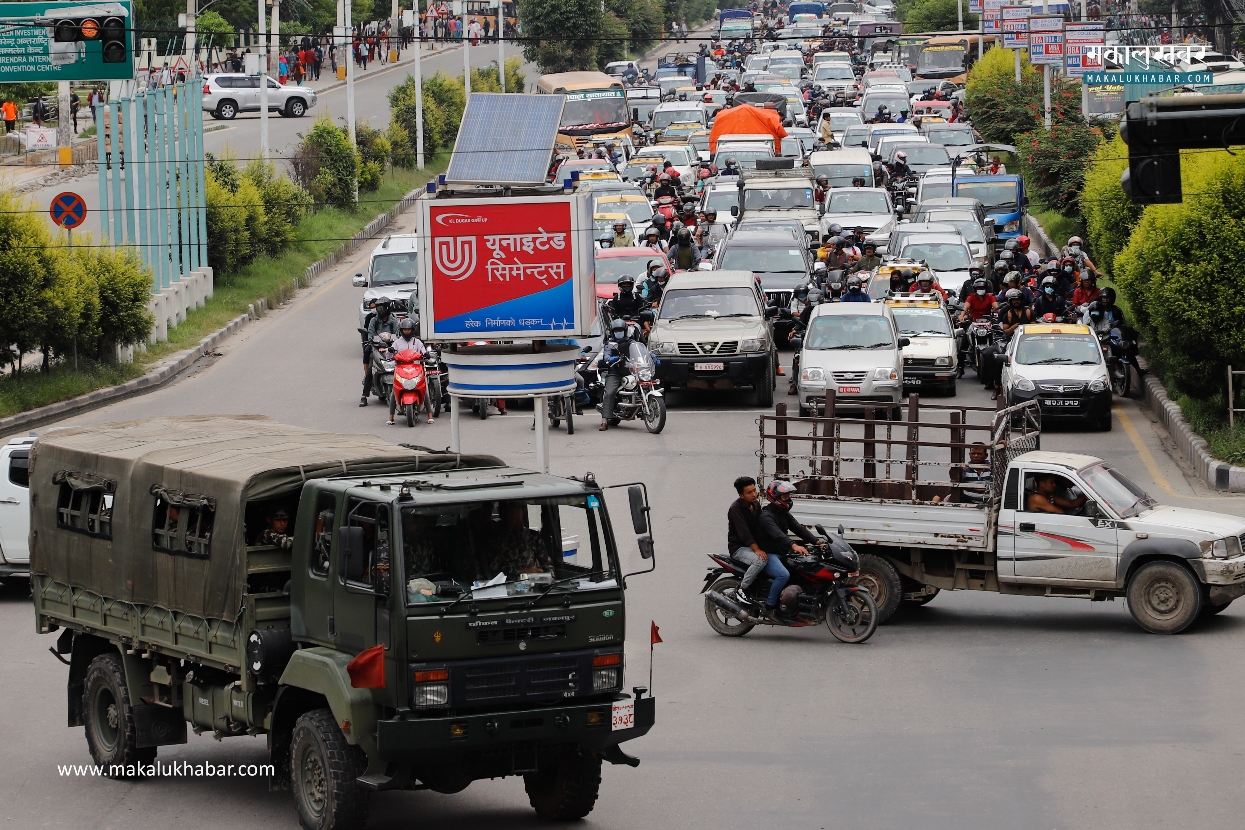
(224, 96)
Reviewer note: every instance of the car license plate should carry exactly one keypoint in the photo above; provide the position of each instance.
(708, 367)
(911, 381)
(849, 390)
(1061, 402)
(623, 715)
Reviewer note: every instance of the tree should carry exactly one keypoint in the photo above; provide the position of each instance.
(937, 16)
(1002, 111)
(1056, 162)
(564, 34)
(218, 29)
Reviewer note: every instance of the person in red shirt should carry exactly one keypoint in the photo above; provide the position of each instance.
(1086, 292)
(924, 283)
(979, 302)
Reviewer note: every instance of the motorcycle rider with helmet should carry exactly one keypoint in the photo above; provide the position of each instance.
(774, 525)
(605, 241)
(999, 276)
(869, 261)
(684, 255)
(1049, 300)
(626, 304)
(899, 168)
(823, 187)
(407, 339)
(1023, 242)
(381, 322)
(652, 239)
(855, 291)
(665, 187)
(1074, 249)
(731, 168)
(614, 363)
(1087, 291)
(1016, 313)
(655, 286)
(622, 237)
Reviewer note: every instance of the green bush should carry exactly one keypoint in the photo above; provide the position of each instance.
(1110, 216)
(328, 146)
(27, 256)
(401, 146)
(1181, 274)
(284, 206)
(1055, 164)
(370, 176)
(516, 78)
(229, 241)
(124, 289)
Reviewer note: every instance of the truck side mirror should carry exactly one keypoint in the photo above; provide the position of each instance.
(358, 281)
(350, 543)
(1024, 202)
(904, 342)
(639, 510)
(635, 114)
(734, 210)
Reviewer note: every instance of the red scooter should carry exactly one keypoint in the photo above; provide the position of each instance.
(410, 385)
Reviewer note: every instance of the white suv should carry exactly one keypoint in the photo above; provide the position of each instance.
(224, 96)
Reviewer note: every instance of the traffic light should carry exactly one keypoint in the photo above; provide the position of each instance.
(104, 24)
(1157, 129)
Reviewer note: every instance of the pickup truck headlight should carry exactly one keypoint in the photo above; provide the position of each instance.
(885, 373)
(813, 375)
(1226, 548)
(661, 347)
(1099, 384)
(758, 345)
(942, 361)
(1023, 384)
(431, 689)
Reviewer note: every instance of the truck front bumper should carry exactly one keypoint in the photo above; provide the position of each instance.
(737, 370)
(450, 737)
(1224, 578)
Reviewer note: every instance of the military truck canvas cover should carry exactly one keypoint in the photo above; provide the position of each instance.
(96, 493)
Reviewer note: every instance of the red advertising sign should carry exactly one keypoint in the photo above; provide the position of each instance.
(504, 267)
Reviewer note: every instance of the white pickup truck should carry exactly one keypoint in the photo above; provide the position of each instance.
(15, 507)
(1025, 522)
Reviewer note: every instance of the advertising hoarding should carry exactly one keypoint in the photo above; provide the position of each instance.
(1078, 37)
(1015, 22)
(991, 16)
(1046, 39)
(66, 42)
(506, 268)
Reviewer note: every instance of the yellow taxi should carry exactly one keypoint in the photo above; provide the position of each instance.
(931, 358)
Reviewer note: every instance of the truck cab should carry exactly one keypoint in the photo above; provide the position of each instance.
(1004, 198)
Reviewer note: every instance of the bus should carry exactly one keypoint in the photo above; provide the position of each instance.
(596, 108)
(483, 10)
(948, 57)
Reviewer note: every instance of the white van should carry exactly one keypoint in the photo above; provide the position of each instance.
(392, 274)
(842, 166)
(15, 507)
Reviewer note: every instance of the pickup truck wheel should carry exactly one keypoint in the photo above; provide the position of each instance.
(566, 788)
(882, 581)
(227, 110)
(110, 731)
(1164, 598)
(323, 769)
(295, 108)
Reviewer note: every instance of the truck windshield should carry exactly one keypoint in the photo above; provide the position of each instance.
(940, 257)
(850, 331)
(857, 201)
(390, 269)
(778, 198)
(1058, 349)
(529, 543)
(1121, 495)
(709, 302)
(662, 120)
(993, 195)
(598, 108)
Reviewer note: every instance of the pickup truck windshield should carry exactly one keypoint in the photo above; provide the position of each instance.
(686, 303)
(778, 198)
(919, 322)
(850, 331)
(662, 120)
(1058, 349)
(926, 154)
(857, 201)
(991, 194)
(533, 544)
(1121, 495)
(939, 257)
(763, 260)
(962, 220)
(833, 72)
(673, 153)
(390, 269)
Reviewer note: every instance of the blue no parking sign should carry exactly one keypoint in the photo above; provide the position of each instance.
(68, 210)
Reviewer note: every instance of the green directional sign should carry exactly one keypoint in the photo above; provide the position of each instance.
(66, 41)
(1156, 77)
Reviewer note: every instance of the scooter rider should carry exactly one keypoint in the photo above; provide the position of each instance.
(774, 525)
(665, 187)
(383, 321)
(614, 363)
(855, 292)
(1074, 249)
(407, 339)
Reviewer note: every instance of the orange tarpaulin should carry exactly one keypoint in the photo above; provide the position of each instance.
(747, 120)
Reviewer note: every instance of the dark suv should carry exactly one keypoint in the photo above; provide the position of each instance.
(780, 261)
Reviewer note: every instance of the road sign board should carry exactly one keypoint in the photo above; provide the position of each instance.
(66, 41)
(1046, 39)
(974, 6)
(1015, 22)
(68, 210)
(1077, 38)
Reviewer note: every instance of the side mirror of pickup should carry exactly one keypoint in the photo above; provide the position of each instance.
(350, 543)
(734, 210)
(904, 342)
(358, 281)
(639, 509)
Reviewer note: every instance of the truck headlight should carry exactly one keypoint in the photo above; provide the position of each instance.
(1012, 227)
(1023, 384)
(431, 689)
(757, 345)
(814, 375)
(606, 672)
(942, 361)
(885, 373)
(1226, 548)
(1099, 384)
(661, 348)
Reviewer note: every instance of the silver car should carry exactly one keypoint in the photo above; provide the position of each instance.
(225, 96)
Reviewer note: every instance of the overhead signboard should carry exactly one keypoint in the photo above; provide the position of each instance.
(991, 16)
(1083, 44)
(1015, 23)
(66, 42)
(1046, 39)
(506, 268)
(974, 6)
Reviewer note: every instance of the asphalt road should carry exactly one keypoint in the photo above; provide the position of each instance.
(977, 711)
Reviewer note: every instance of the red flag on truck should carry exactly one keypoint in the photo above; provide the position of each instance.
(655, 635)
(367, 669)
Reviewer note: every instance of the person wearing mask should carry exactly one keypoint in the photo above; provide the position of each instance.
(684, 255)
(622, 237)
(655, 286)
(407, 339)
(775, 524)
(614, 363)
(1050, 300)
(1075, 250)
(382, 321)
(1001, 270)
(855, 291)
(731, 168)
(868, 262)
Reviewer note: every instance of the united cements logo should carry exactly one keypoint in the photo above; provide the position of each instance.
(455, 256)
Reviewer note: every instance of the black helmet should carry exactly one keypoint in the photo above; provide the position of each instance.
(1096, 310)
(853, 282)
(836, 229)
(1007, 256)
(730, 161)
(1011, 245)
(839, 242)
(1107, 294)
(870, 244)
(684, 234)
(981, 285)
(382, 306)
(626, 280)
(660, 273)
(1049, 281)
(1000, 265)
(907, 274)
(779, 493)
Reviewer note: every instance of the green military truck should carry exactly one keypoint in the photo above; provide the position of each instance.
(389, 617)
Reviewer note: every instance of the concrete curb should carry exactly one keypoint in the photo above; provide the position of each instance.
(1218, 475)
(174, 365)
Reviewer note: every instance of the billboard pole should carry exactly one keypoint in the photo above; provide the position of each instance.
(263, 80)
(419, 94)
(466, 51)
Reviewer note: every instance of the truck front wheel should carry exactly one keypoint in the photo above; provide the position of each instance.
(110, 731)
(323, 769)
(1164, 598)
(881, 579)
(565, 788)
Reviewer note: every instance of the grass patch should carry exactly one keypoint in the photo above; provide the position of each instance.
(1057, 226)
(33, 388)
(272, 278)
(1209, 419)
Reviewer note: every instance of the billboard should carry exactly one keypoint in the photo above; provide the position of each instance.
(1046, 39)
(991, 16)
(1015, 22)
(1078, 38)
(66, 42)
(506, 268)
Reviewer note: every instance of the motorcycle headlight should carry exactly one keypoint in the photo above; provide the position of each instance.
(410, 383)
(1024, 384)
(757, 345)
(1099, 384)
(1226, 548)
(942, 361)
(661, 347)
(815, 375)
(646, 374)
(885, 373)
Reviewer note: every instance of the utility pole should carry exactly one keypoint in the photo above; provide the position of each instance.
(501, 44)
(466, 52)
(263, 80)
(419, 91)
(276, 29)
(191, 10)
(350, 74)
(64, 125)
(959, 15)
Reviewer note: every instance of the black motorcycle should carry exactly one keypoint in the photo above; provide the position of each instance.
(819, 591)
(1120, 350)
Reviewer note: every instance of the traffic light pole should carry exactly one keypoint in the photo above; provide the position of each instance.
(1157, 129)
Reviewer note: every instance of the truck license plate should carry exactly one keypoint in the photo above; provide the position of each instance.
(1062, 402)
(623, 715)
(849, 390)
(708, 367)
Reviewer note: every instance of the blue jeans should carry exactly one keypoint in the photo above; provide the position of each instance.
(772, 567)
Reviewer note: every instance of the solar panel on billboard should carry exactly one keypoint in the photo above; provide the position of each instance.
(505, 139)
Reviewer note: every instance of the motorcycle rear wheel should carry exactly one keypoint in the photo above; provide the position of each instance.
(719, 620)
(860, 621)
(655, 415)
